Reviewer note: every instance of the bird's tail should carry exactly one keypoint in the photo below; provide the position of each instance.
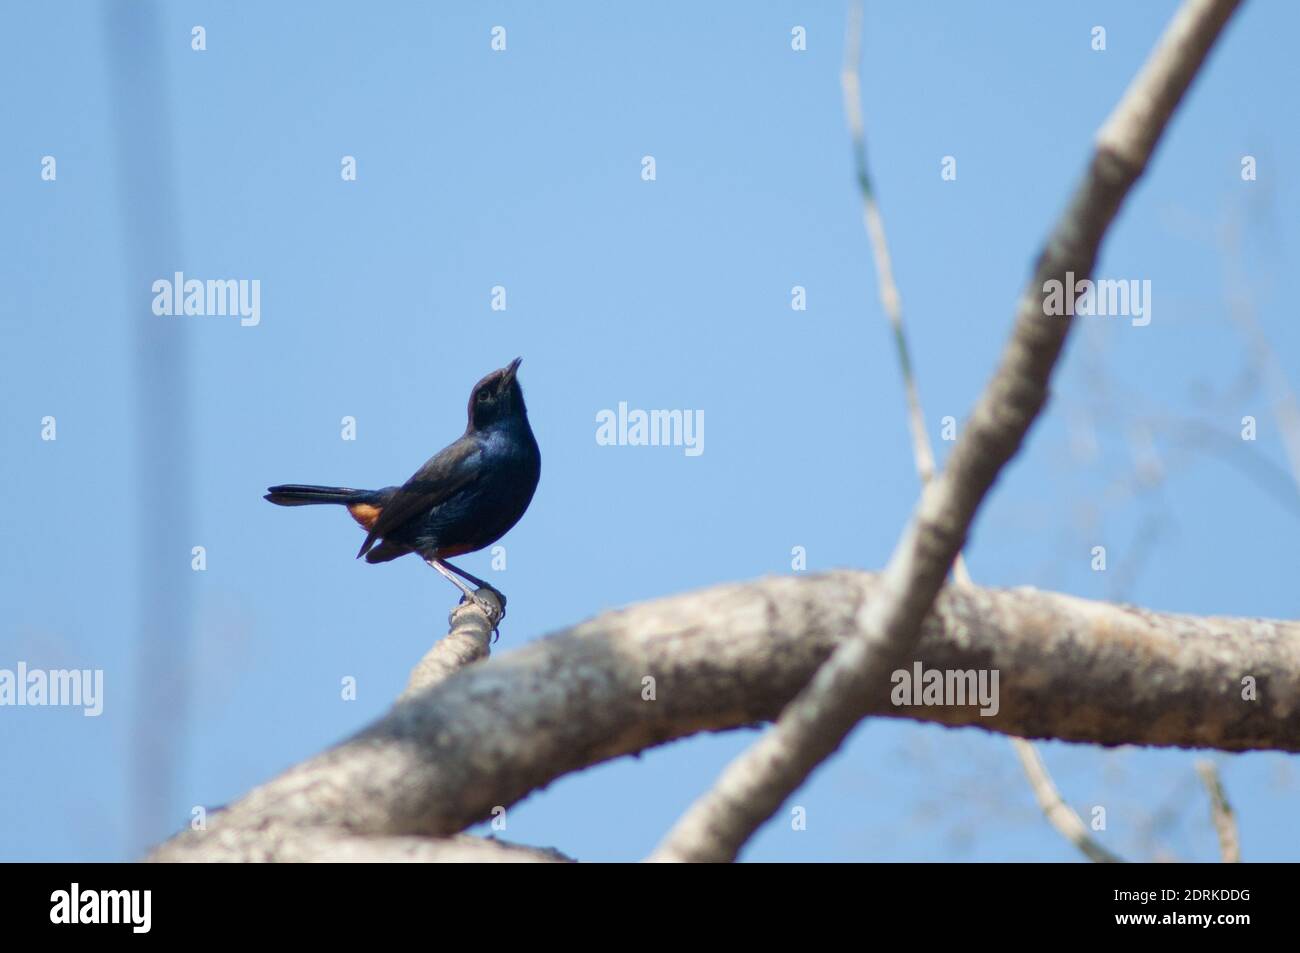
(298, 494)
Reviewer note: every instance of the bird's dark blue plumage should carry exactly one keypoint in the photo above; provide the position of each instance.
(463, 499)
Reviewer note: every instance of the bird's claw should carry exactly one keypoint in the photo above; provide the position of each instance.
(493, 604)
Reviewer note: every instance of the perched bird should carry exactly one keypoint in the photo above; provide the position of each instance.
(465, 498)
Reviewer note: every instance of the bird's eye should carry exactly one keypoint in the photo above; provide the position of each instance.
(484, 396)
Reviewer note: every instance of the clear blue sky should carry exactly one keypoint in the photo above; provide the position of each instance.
(522, 169)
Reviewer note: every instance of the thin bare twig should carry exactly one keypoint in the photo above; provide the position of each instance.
(1059, 814)
(1225, 821)
(890, 299)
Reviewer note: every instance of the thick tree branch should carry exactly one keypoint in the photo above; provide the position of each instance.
(754, 786)
(468, 641)
(734, 656)
(308, 845)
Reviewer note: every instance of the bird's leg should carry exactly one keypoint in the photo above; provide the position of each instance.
(497, 612)
(501, 596)
(445, 571)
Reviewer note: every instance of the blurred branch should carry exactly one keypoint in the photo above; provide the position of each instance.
(150, 244)
(1059, 814)
(733, 656)
(754, 786)
(890, 299)
(1225, 822)
(1240, 308)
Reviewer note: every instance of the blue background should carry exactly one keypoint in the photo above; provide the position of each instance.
(523, 169)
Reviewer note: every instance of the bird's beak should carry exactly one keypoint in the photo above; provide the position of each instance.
(511, 369)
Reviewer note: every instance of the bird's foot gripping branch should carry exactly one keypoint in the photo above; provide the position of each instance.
(492, 602)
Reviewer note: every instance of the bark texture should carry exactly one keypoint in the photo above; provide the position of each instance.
(734, 656)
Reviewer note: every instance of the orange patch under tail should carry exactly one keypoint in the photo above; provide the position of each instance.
(365, 513)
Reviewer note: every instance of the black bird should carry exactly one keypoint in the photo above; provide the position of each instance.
(465, 498)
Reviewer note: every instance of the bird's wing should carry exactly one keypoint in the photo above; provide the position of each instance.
(451, 470)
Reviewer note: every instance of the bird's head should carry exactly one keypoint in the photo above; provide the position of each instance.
(496, 397)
